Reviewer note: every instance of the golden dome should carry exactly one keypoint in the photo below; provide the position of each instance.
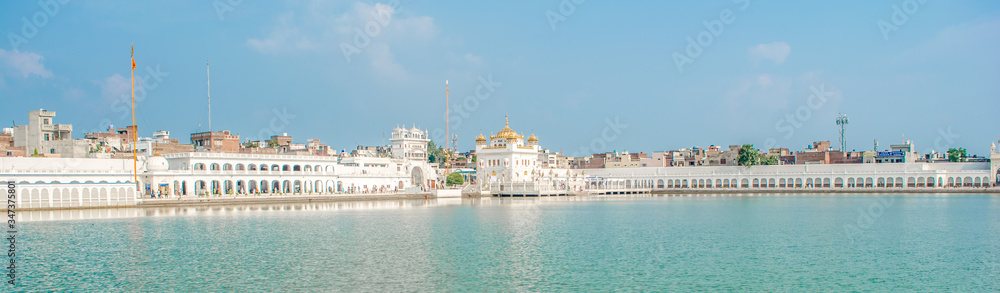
(533, 138)
(506, 132)
(480, 138)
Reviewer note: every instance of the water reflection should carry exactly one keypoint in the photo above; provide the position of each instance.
(529, 205)
(222, 210)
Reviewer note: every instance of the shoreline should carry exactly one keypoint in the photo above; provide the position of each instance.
(229, 200)
(989, 190)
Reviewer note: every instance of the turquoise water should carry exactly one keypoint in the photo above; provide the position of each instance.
(650, 243)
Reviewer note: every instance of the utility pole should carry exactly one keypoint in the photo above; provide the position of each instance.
(842, 122)
(209, 76)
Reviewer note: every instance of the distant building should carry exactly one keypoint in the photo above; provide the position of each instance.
(216, 141)
(46, 138)
(900, 153)
(718, 157)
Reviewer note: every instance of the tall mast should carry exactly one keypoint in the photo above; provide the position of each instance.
(208, 74)
(135, 156)
(447, 131)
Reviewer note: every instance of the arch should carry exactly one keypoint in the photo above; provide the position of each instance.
(297, 186)
(826, 182)
(227, 167)
(240, 167)
(951, 181)
(74, 196)
(214, 167)
(838, 182)
(307, 168)
(297, 168)
(659, 183)
(251, 167)
(286, 167)
(782, 182)
(798, 182)
(199, 166)
(967, 182)
(809, 182)
(978, 182)
(274, 167)
(899, 182)
(745, 183)
(275, 186)
(416, 177)
(718, 183)
(851, 182)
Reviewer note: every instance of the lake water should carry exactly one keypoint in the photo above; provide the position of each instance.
(651, 243)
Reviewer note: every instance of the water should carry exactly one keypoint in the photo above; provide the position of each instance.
(646, 243)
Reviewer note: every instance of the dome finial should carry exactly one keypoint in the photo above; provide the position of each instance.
(506, 119)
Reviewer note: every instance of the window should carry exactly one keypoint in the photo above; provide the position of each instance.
(52, 151)
(46, 137)
(45, 121)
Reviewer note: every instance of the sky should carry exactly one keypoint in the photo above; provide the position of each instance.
(583, 76)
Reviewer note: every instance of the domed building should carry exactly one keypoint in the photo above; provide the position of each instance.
(505, 158)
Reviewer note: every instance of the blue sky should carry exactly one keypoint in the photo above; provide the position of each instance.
(584, 77)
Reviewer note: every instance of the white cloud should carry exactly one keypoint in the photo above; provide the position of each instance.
(118, 87)
(972, 42)
(764, 80)
(73, 94)
(24, 63)
(377, 31)
(776, 52)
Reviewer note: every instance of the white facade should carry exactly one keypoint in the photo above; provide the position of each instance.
(507, 164)
(42, 183)
(842, 176)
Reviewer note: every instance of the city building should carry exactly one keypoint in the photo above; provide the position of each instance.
(44, 137)
(216, 141)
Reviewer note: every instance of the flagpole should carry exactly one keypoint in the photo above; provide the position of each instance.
(135, 156)
(447, 131)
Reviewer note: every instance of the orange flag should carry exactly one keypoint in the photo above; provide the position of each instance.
(133, 57)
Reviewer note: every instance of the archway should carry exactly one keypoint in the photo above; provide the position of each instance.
(417, 177)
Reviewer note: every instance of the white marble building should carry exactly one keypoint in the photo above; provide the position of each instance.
(69, 182)
(42, 183)
(507, 164)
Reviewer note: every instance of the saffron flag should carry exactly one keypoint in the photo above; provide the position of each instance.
(133, 57)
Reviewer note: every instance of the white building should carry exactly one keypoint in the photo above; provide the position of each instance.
(507, 164)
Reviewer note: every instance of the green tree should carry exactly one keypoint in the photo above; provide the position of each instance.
(251, 144)
(454, 179)
(474, 158)
(273, 143)
(769, 160)
(35, 154)
(748, 156)
(956, 155)
(435, 154)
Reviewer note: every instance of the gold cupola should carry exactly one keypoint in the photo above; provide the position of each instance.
(506, 132)
(480, 139)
